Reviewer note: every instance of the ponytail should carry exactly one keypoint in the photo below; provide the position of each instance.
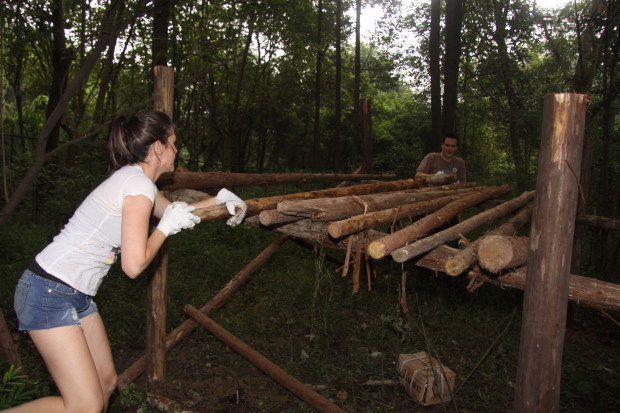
(131, 137)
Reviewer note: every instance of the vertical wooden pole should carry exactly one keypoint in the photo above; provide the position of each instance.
(553, 225)
(8, 345)
(157, 290)
(367, 134)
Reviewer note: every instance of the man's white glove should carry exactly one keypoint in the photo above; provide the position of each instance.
(440, 173)
(236, 207)
(177, 216)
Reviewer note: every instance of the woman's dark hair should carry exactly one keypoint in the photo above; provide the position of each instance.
(131, 137)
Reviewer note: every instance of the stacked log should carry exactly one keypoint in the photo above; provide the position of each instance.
(386, 245)
(500, 252)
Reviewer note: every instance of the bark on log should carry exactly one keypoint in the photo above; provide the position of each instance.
(205, 180)
(315, 231)
(298, 388)
(500, 252)
(331, 209)
(255, 206)
(374, 219)
(585, 291)
(600, 222)
(8, 345)
(553, 223)
(383, 247)
(452, 233)
(219, 300)
(467, 256)
(189, 196)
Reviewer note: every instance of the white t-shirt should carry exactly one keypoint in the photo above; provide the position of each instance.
(88, 245)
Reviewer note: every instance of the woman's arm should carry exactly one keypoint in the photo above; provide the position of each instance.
(137, 248)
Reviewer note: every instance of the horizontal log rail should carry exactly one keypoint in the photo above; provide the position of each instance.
(205, 180)
(582, 290)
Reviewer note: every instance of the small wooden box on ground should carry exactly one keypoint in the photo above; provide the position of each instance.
(425, 379)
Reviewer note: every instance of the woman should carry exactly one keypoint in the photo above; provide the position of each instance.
(53, 299)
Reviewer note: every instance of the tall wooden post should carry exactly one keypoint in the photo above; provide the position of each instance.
(157, 290)
(553, 225)
(367, 134)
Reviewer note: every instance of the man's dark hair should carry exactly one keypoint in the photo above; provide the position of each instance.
(453, 136)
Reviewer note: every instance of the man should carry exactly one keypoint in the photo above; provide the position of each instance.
(444, 161)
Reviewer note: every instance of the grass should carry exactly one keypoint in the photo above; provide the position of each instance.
(301, 314)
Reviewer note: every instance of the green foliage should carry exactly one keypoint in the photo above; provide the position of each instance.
(13, 389)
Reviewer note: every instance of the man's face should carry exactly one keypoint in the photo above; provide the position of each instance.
(449, 147)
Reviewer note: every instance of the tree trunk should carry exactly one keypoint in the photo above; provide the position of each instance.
(435, 75)
(467, 256)
(107, 28)
(454, 23)
(317, 90)
(367, 134)
(338, 105)
(422, 227)
(452, 233)
(500, 252)
(355, 141)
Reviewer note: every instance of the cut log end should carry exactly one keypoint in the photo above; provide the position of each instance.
(456, 265)
(496, 252)
(377, 250)
(401, 255)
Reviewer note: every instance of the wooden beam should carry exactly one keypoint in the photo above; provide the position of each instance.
(547, 287)
(206, 180)
(419, 229)
(600, 222)
(298, 388)
(256, 205)
(219, 300)
(582, 290)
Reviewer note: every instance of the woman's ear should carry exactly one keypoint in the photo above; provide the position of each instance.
(159, 148)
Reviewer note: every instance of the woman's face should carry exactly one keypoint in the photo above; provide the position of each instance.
(170, 153)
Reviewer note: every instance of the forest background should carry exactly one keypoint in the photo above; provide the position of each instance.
(275, 85)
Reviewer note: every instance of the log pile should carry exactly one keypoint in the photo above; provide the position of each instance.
(356, 219)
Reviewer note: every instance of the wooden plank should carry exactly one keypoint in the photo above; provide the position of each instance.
(547, 287)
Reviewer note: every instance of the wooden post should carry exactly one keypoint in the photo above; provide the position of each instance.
(553, 225)
(157, 290)
(367, 134)
(218, 301)
(8, 345)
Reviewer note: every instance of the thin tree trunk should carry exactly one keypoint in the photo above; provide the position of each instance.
(107, 28)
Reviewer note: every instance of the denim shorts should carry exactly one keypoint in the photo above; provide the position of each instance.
(41, 304)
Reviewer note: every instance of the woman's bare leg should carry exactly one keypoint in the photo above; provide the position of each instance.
(97, 340)
(69, 361)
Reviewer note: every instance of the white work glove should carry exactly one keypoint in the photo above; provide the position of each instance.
(440, 173)
(236, 207)
(177, 216)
